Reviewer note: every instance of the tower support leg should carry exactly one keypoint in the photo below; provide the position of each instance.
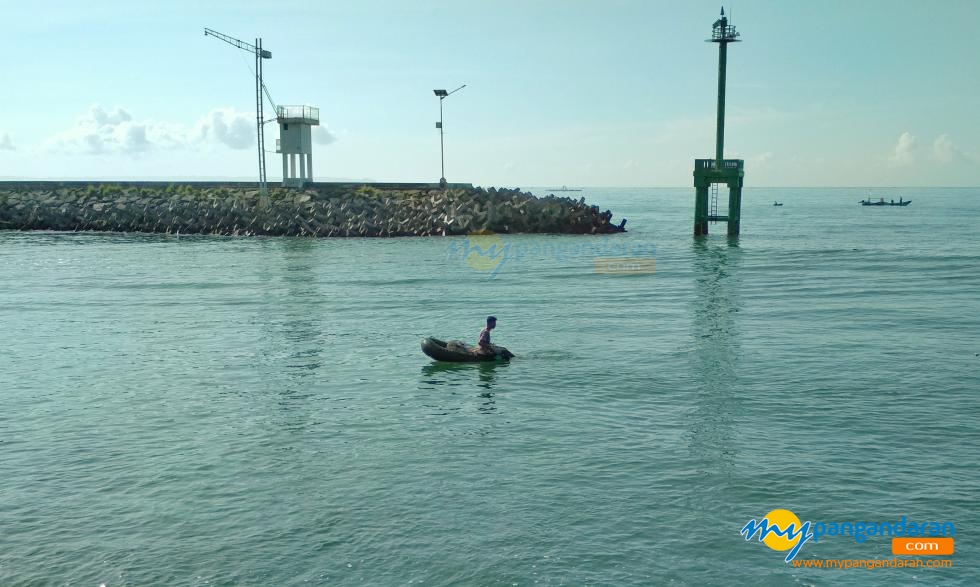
(302, 169)
(309, 167)
(284, 170)
(734, 207)
(701, 210)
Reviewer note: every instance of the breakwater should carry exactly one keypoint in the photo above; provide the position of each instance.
(319, 209)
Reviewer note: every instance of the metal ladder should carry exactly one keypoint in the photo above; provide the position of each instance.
(713, 208)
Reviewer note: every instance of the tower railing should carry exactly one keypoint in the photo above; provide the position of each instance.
(724, 33)
(725, 164)
(308, 113)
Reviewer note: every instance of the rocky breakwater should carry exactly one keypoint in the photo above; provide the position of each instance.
(379, 210)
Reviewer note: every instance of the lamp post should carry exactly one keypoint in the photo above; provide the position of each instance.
(443, 94)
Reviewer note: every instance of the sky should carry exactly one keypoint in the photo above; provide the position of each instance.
(615, 93)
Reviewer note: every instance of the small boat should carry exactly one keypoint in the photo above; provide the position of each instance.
(564, 188)
(456, 351)
(882, 202)
(777, 203)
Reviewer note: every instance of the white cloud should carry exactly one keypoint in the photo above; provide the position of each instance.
(98, 131)
(904, 151)
(101, 132)
(322, 136)
(101, 117)
(762, 158)
(943, 149)
(6, 143)
(229, 127)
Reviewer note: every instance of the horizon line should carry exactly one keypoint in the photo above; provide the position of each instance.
(201, 179)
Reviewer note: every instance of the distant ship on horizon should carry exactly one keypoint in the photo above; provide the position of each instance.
(564, 188)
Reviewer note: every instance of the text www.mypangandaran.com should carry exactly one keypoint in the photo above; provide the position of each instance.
(874, 563)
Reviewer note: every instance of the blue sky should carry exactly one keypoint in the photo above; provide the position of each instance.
(576, 92)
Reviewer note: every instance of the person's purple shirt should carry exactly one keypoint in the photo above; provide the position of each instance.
(484, 340)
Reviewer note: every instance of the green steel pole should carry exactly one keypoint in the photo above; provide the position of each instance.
(734, 207)
(701, 209)
(720, 142)
(442, 147)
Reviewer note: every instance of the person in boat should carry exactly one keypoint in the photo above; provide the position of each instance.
(483, 345)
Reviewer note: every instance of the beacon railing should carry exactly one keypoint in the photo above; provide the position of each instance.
(306, 113)
(725, 164)
(724, 33)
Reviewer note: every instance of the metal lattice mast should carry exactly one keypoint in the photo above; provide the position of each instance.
(260, 54)
(260, 117)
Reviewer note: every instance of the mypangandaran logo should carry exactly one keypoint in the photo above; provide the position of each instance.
(486, 251)
(781, 530)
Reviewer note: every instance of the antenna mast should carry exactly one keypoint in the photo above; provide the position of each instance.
(260, 54)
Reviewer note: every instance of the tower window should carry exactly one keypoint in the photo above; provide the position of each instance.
(285, 126)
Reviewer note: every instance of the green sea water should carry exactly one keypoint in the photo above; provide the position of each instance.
(256, 411)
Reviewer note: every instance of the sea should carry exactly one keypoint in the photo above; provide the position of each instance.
(210, 411)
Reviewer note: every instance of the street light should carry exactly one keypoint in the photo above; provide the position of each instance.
(443, 94)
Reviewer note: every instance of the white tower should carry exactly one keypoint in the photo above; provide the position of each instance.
(296, 138)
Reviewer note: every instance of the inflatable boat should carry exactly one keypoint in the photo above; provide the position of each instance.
(456, 351)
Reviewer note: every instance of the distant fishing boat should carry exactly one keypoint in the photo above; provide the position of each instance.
(564, 188)
(777, 203)
(882, 202)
